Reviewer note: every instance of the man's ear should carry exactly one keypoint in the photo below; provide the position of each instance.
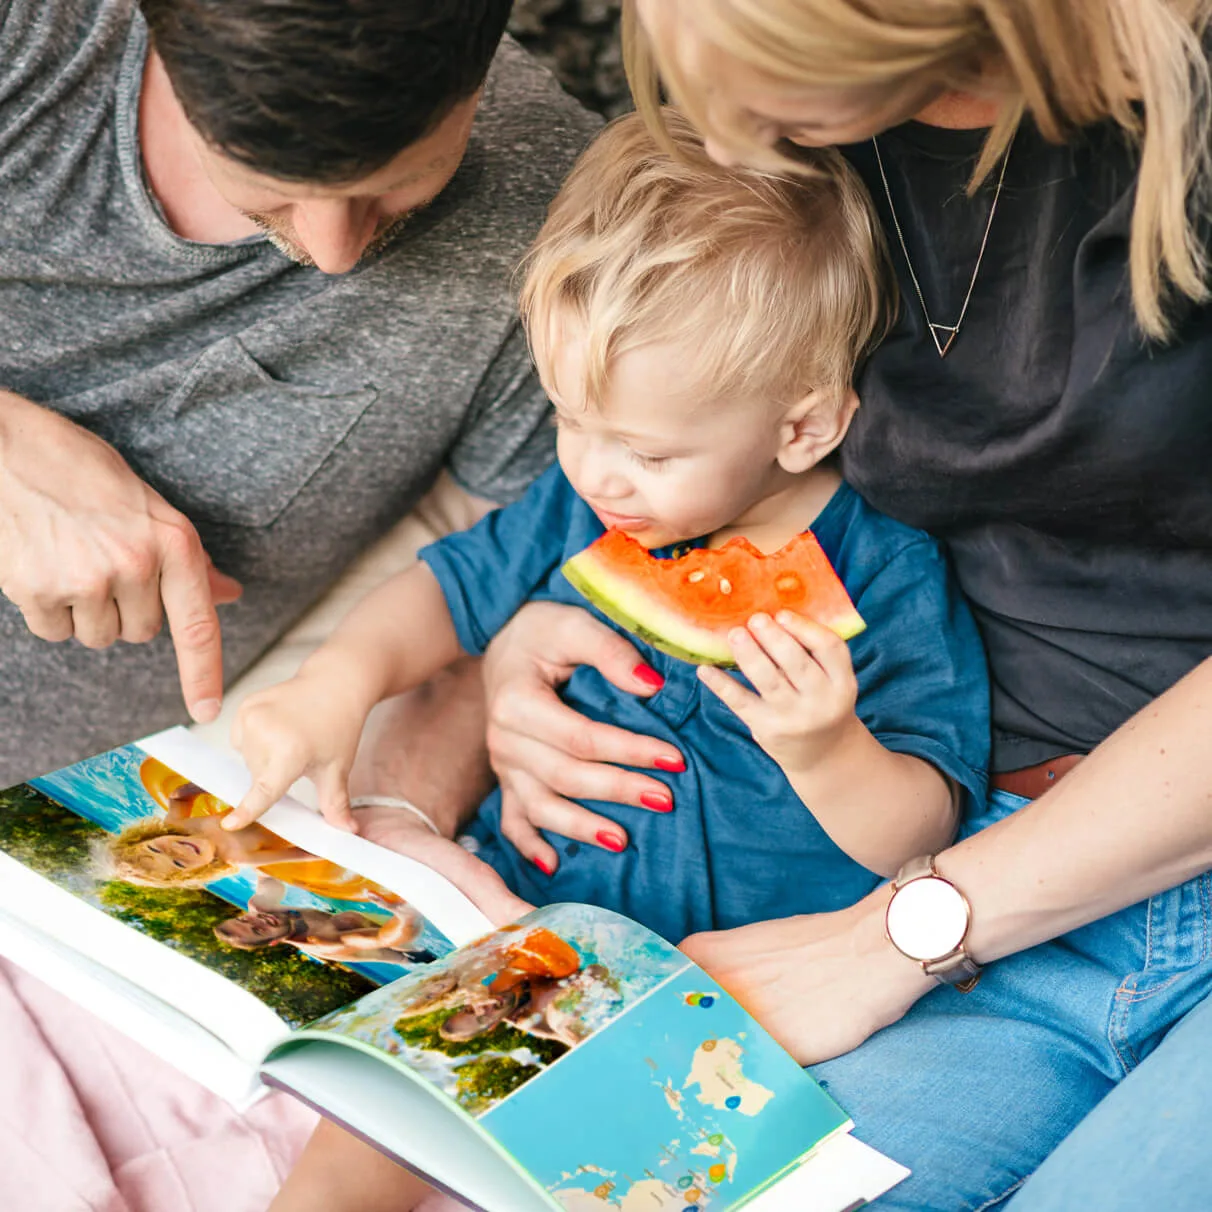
(813, 428)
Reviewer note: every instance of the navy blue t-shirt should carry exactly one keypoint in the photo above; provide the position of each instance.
(740, 846)
(1062, 460)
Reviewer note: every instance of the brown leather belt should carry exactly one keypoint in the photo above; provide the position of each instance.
(1032, 781)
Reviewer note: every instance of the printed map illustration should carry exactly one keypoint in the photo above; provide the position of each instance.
(703, 1110)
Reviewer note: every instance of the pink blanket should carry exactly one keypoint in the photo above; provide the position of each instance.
(90, 1122)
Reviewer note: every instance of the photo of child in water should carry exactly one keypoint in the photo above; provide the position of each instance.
(486, 1020)
(187, 846)
(140, 842)
(535, 983)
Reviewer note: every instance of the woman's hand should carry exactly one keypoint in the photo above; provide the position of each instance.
(545, 754)
(820, 984)
(403, 833)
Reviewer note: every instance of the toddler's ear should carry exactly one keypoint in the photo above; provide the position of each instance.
(814, 427)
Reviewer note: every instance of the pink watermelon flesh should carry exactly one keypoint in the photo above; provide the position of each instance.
(687, 606)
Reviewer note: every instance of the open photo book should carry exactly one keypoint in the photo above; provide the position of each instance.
(571, 1060)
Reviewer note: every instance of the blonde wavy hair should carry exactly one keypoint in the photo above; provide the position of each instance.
(1068, 63)
(118, 857)
(775, 287)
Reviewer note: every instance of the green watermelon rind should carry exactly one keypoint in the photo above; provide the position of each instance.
(623, 601)
(672, 636)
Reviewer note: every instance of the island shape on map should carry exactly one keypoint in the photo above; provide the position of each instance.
(717, 1072)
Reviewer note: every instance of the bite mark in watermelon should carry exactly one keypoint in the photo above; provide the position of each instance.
(687, 606)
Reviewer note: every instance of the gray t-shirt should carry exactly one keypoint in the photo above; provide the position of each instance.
(291, 415)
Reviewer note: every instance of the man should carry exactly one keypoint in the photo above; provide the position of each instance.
(255, 266)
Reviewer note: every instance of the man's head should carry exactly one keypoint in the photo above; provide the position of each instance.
(697, 327)
(323, 119)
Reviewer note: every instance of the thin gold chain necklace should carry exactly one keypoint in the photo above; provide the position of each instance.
(937, 330)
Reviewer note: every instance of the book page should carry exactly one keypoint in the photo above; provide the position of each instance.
(844, 1174)
(609, 1067)
(159, 1027)
(405, 1119)
(437, 899)
(122, 857)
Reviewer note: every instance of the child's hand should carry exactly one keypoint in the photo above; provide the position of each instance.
(805, 684)
(303, 727)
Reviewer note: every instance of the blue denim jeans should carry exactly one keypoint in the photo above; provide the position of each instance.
(1147, 1144)
(973, 1091)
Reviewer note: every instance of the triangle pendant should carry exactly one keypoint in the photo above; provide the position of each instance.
(944, 335)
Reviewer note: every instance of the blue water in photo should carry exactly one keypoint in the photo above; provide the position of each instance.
(108, 791)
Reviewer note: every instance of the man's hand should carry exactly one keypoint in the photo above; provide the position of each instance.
(88, 550)
(804, 688)
(544, 753)
(403, 833)
(820, 984)
(307, 726)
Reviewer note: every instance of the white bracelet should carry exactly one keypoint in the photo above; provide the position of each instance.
(391, 801)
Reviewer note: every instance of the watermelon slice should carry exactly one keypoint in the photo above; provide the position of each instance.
(688, 605)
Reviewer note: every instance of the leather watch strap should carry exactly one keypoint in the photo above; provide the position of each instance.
(957, 968)
(915, 869)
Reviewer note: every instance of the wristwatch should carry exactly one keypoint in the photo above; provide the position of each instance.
(927, 920)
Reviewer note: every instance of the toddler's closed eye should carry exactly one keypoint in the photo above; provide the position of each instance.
(649, 462)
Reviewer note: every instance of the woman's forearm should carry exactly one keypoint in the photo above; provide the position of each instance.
(1133, 819)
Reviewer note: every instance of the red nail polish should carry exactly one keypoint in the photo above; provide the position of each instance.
(542, 866)
(656, 801)
(675, 765)
(611, 841)
(649, 676)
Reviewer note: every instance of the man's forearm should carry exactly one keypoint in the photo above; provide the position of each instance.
(1134, 819)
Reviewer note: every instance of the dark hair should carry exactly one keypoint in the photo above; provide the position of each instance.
(325, 91)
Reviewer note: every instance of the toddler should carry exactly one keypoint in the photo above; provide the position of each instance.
(698, 331)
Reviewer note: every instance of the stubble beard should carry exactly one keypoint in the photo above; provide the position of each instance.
(281, 234)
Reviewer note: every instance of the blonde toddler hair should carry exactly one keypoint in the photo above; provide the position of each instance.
(120, 858)
(774, 287)
(1068, 63)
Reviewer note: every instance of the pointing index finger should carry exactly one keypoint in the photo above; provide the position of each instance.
(265, 792)
(193, 623)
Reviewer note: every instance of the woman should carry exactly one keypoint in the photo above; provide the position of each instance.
(1043, 406)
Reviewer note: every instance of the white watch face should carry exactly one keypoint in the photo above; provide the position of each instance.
(927, 919)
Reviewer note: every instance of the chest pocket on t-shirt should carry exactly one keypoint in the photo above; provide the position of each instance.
(234, 445)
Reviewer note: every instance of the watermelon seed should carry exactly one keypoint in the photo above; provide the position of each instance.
(725, 585)
(695, 577)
